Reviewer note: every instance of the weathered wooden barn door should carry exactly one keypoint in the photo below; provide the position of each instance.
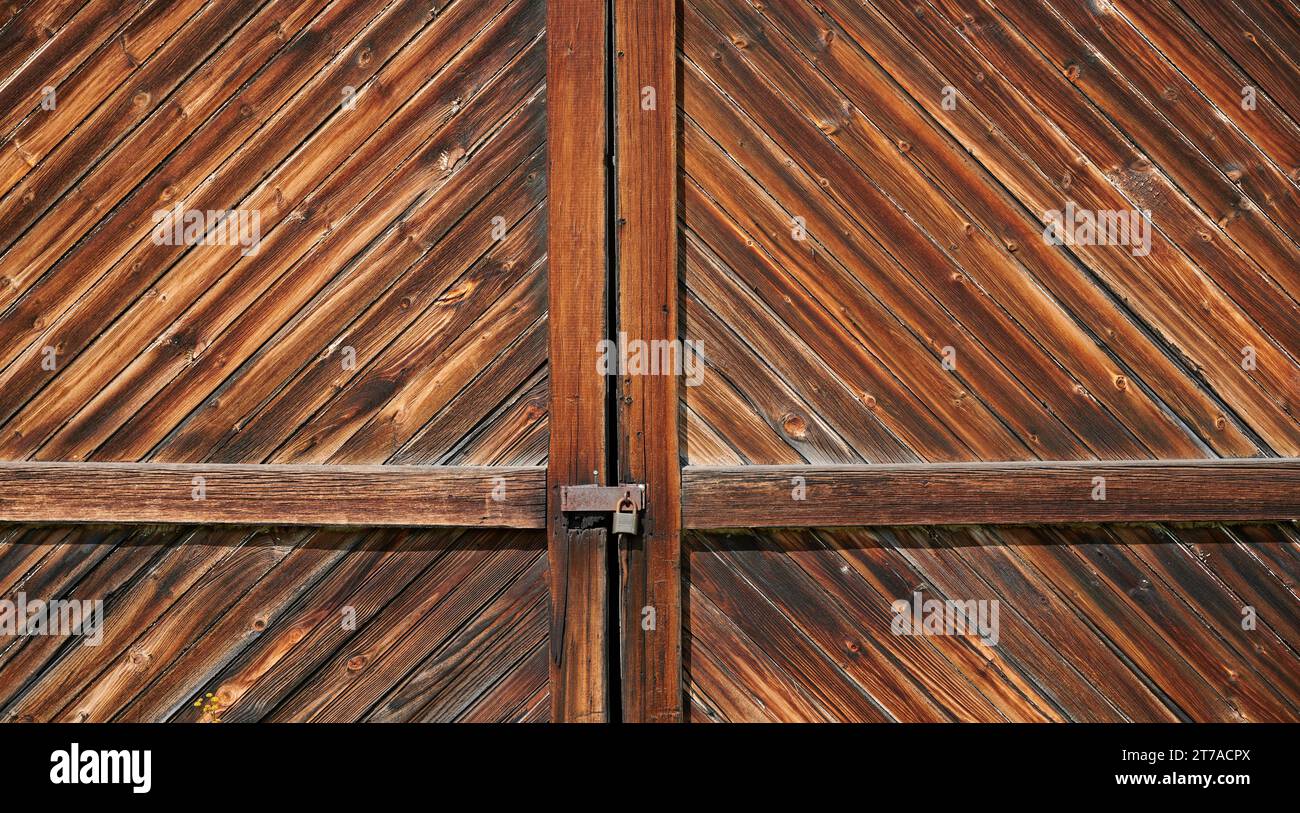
(879, 220)
(303, 310)
(273, 266)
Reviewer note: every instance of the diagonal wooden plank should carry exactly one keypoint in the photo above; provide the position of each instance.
(441, 602)
(1188, 579)
(1163, 24)
(989, 266)
(747, 665)
(1145, 76)
(225, 298)
(46, 179)
(467, 665)
(100, 77)
(995, 216)
(172, 683)
(1027, 154)
(1059, 649)
(490, 389)
(1023, 667)
(291, 650)
(941, 665)
(855, 678)
(1246, 38)
(507, 701)
(262, 73)
(57, 674)
(780, 348)
(30, 25)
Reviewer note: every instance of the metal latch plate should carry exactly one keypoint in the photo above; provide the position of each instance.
(600, 499)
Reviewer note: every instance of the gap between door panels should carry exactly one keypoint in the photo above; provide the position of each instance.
(613, 633)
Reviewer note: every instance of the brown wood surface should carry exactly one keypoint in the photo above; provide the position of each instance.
(923, 230)
(645, 37)
(1099, 625)
(395, 313)
(238, 494)
(208, 625)
(918, 146)
(576, 66)
(423, 318)
(381, 288)
(1022, 493)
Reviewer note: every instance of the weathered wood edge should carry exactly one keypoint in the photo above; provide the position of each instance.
(251, 494)
(645, 36)
(1014, 493)
(576, 66)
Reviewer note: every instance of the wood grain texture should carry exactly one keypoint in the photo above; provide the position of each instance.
(402, 238)
(645, 37)
(1100, 625)
(864, 187)
(922, 234)
(224, 625)
(577, 62)
(395, 312)
(1022, 493)
(240, 494)
(835, 197)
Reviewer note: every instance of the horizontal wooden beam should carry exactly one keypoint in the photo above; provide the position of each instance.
(237, 494)
(992, 493)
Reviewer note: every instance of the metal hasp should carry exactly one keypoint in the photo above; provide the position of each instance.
(601, 499)
(623, 503)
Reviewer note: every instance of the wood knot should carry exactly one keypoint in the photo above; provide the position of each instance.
(794, 426)
(448, 159)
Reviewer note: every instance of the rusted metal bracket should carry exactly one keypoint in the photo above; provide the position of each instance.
(592, 499)
(621, 504)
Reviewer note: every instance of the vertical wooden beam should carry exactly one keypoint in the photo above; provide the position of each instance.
(645, 41)
(576, 32)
